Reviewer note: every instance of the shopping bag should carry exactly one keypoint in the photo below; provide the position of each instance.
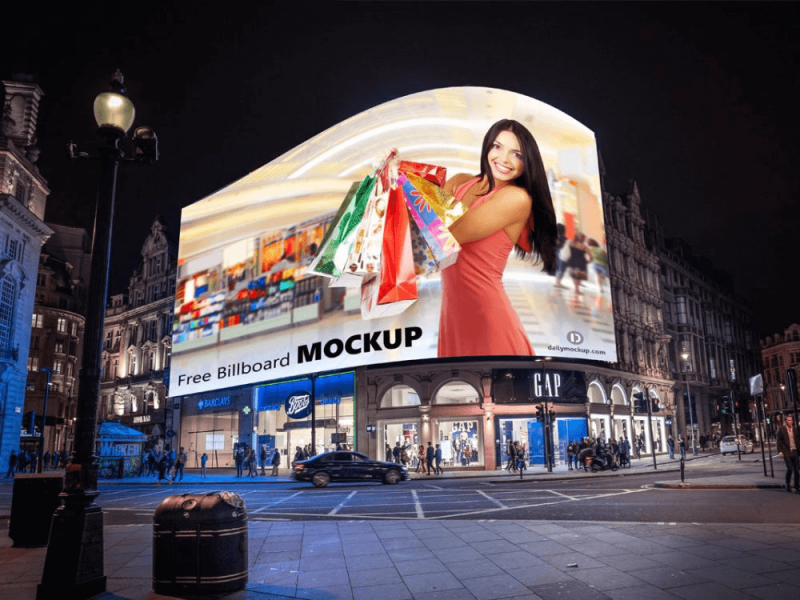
(335, 247)
(432, 173)
(441, 243)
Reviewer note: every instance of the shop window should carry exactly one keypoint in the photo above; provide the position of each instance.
(398, 396)
(461, 443)
(456, 392)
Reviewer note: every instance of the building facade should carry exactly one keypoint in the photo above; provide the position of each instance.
(23, 195)
(136, 349)
(780, 352)
(713, 347)
(57, 328)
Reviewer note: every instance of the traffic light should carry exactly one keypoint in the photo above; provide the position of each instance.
(655, 405)
(726, 406)
(641, 405)
(540, 412)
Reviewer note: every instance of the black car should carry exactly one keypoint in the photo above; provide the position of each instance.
(345, 465)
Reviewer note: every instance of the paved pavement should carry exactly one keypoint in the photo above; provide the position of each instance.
(450, 559)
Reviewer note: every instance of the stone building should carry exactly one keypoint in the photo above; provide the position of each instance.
(23, 194)
(780, 352)
(57, 338)
(136, 349)
(713, 347)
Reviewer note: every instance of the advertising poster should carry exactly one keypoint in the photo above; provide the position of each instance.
(255, 302)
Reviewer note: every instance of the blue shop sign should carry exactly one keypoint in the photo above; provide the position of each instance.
(205, 403)
(298, 405)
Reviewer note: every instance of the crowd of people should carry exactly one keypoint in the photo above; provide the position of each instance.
(26, 462)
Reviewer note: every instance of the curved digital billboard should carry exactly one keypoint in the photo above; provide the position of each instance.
(257, 301)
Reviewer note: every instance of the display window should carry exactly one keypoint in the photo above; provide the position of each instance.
(407, 433)
(622, 428)
(512, 431)
(461, 442)
(599, 427)
(213, 434)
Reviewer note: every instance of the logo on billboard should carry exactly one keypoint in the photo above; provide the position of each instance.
(575, 337)
(298, 406)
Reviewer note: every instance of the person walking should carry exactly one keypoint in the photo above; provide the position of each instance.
(12, 465)
(438, 457)
(512, 456)
(203, 461)
(239, 460)
(420, 459)
(162, 470)
(263, 458)
(252, 464)
(788, 444)
(276, 462)
(570, 453)
(671, 447)
(430, 455)
(682, 448)
(396, 452)
(180, 463)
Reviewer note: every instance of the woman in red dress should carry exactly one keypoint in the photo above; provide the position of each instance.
(508, 206)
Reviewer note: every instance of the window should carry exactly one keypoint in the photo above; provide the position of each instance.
(680, 309)
(58, 366)
(8, 297)
(399, 395)
(33, 363)
(59, 346)
(70, 369)
(61, 325)
(73, 329)
(153, 330)
(37, 321)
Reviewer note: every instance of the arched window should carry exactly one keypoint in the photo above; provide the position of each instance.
(618, 395)
(398, 396)
(596, 393)
(8, 300)
(456, 392)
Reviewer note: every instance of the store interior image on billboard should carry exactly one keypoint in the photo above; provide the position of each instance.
(263, 292)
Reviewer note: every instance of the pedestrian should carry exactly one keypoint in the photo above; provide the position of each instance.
(788, 445)
(54, 464)
(682, 448)
(162, 470)
(251, 463)
(263, 458)
(570, 453)
(671, 447)
(203, 461)
(276, 462)
(238, 459)
(46, 461)
(420, 459)
(298, 455)
(703, 442)
(12, 464)
(151, 462)
(396, 452)
(430, 455)
(437, 454)
(512, 456)
(180, 463)
(388, 454)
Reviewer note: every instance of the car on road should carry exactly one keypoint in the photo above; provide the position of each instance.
(729, 445)
(346, 465)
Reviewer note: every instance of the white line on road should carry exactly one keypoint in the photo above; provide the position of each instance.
(342, 503)
(417, 505)
(488, 497)
(271, 504)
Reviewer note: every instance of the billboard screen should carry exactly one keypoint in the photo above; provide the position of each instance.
(249, 309)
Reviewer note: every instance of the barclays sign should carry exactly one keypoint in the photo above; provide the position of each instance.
(298, 405)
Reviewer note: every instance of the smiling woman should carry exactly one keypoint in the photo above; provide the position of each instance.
(508, 206)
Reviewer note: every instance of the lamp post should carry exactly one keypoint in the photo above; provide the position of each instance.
(40, 462)
(74, 562)
(687, 366)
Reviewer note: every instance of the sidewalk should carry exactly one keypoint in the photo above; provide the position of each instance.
(462, 560)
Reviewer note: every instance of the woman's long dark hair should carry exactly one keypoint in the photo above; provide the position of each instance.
(543, 235)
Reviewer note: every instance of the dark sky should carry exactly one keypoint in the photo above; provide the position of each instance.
(697, 102)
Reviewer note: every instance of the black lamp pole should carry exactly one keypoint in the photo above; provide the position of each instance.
(74, 563)
(40, 463)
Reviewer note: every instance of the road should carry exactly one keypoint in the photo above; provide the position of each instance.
(629, 496)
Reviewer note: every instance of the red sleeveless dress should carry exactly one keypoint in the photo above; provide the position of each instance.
(477, 318)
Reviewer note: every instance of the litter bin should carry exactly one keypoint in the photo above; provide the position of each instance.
(35, 497)
(200, 544)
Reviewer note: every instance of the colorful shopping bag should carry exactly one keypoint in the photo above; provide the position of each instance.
(432, 173)
(335, 246)
(395, 289)
(441, 243)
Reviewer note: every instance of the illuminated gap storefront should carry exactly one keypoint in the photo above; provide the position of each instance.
(283, 413)
(215, 424)
(525, 389)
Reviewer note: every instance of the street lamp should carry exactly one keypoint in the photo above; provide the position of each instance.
(74, 563)
(40, 462)
(687, 366)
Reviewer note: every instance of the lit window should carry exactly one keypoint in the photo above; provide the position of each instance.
(61, 325)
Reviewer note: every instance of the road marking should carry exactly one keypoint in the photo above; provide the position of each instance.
(488, 497)
(417, 505)
(271, 504)
(562, 495)
(342, 503)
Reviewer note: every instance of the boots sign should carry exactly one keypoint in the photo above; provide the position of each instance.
(298, 405)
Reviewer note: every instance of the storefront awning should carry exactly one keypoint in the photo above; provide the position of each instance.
(328, 389)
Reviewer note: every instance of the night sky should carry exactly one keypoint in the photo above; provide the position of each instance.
(696, 102)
